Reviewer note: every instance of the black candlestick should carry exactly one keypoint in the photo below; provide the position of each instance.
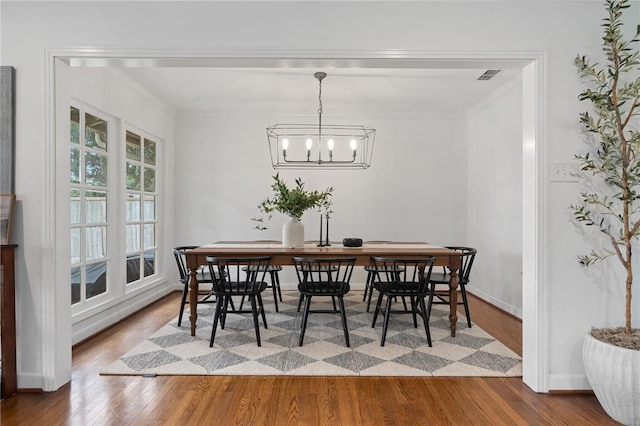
(327, 242)
(320, 240)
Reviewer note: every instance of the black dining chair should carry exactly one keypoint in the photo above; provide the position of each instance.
(324, 277)
(368, 284)
(402, 278)
(243, 277)
(274, 276)
(467, 256)
(204, 295)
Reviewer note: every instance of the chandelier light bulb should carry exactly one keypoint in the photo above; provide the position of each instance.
(330, 144)
(308, 143)
(354, 144)
(285, 143)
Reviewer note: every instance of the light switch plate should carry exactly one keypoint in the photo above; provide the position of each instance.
(564, 171)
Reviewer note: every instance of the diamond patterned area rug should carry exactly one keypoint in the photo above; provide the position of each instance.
(173, 351)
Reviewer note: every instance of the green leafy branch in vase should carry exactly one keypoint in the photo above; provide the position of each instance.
(292, 201)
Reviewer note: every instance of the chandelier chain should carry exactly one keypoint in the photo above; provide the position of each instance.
(319, 109)
(320, 98)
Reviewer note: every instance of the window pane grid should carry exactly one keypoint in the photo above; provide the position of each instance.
(96, 206)
(88, 205)
(141, 200)
(133, 146)
(133, 238)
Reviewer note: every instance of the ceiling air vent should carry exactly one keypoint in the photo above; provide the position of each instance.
(489, 74)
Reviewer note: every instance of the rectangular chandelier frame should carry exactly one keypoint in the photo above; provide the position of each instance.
(299, 146)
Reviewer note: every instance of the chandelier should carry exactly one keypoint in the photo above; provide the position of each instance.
(298, 146)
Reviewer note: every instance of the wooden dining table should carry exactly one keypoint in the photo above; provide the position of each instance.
(284, 256)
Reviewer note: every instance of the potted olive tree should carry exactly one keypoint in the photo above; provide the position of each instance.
(292, 202)
(611, 169)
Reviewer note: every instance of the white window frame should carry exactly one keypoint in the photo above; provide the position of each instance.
(135, 286)
(83, 306)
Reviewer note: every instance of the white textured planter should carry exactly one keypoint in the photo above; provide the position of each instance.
(614, 375)
(292, 233)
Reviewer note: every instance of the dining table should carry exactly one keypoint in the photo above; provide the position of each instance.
(280, 255)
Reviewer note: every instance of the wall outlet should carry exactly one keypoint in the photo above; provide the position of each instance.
(564, 171)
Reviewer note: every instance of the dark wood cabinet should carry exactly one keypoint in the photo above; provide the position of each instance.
(9, 379)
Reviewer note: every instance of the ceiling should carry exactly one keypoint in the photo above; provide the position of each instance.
(203, 89)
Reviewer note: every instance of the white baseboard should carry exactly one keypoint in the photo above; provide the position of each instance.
(565, 382)
(513, 310)
(29, 381)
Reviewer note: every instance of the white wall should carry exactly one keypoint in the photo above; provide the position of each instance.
(559, 29)
(494, 200)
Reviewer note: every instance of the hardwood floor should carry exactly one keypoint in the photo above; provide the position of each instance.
(107, 400)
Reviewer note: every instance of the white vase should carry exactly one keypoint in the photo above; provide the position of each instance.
(292, 233)
(613, 374)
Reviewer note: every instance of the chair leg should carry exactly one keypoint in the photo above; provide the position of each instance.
(367, 284)
(375, 314)
(277, 276)
(274, 289)
(432, 290)
(264, 318)
(241, 303)
(305, 316)
(225, 308)
(343, 314)
(414, 308)
(254, 311)
(404, 303)
(385, 324)
(304, 275)
(425, 320)
(183, 302)
(300, 300)
(464, 302)
(335, 308)
(216, 317)
(370, 294)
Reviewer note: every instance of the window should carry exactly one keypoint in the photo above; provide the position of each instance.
(89, 196)
(113, 209)
(140, 207)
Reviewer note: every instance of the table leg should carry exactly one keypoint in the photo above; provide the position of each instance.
(193, 299)
(453, 300)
